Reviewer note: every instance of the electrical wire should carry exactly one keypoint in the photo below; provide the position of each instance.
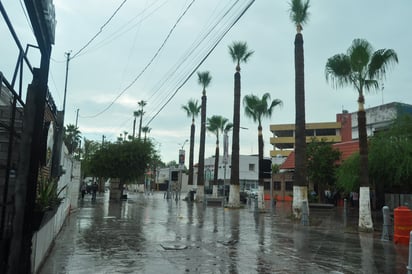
(119, 32)
(188, 54)
(147, 65)
(207, 55)
(99, 32)
(217, 28)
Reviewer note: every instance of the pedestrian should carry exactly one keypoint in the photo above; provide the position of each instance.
(83, 190)
(94, 191)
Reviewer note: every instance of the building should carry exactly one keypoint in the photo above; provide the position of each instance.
(344, 129)
(343, 134)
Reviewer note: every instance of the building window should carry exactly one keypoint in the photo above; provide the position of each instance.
(326, 132)
(251, 167)
(289, 186)
(277, 185)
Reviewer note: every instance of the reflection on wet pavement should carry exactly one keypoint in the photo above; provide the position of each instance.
(148, 234)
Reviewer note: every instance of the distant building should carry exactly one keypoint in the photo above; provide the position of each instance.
(343, 134)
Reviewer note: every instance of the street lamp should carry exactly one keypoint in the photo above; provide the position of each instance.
(184, 143)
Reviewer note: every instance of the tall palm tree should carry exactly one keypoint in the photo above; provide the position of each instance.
(299, 16)
(361, 68)
(192, 109)
(204, 80)
(141, 104)
(217, 124)
(239, 53)
(257, 109)
(146, 130)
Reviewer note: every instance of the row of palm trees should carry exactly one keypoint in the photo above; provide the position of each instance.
(255, 108)
(361, 68)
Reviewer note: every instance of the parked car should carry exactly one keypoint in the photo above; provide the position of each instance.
(252, 193)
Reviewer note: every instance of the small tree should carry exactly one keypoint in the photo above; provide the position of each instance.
(126, 161)
(321, 164)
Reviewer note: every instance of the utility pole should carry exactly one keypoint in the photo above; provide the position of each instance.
(65, 82)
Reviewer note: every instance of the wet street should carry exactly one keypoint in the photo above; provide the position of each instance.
(149, 234)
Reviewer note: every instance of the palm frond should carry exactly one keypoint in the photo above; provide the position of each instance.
(338, 70)
(380, 61)
(204, 78)
(299, 12)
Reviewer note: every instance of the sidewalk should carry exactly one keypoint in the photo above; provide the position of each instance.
(149, 234)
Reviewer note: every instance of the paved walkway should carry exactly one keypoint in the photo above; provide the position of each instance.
(149, 234)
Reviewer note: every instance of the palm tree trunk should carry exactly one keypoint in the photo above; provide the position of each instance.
(365, 218)
(234, 193)
(140, 126)
(192, 144)
(261, 191)
(134, 127)
(201, 168)
(216, 171)
(300, 183)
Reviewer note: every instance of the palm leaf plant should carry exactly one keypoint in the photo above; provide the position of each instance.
(258, 108)
(217, 124)
(204, 80)
(362, 68)
(192, 110)
(299, 16)
(240, 53)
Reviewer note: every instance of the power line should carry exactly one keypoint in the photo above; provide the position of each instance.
(192, 51)
(201, 62)
(147, 65)
(100, 31)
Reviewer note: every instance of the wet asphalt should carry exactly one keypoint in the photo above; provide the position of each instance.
(150, 234)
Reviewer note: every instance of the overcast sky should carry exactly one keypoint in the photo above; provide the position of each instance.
(146, 53)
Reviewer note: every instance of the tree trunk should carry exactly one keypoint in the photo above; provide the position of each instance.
(192, 145)
(140, 126)
(216, 171)
(134, 127)
(261, 190)
(365, 217)
(300, 177)
(201, 167)
(234, 194)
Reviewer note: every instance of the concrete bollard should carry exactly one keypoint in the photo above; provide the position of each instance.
(387, 224)
(409, 266)
(305, 217)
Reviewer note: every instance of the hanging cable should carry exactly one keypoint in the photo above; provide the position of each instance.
(147, 65)
(100, 31)
(201, 62)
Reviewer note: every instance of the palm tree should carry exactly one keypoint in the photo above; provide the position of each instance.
(240, 53)
(192, 110)
(141, 113)
(72, 137)
(361, 68)
(146, 130)
(217, 124)
(204, 80)
(299, 16)
(257, 109)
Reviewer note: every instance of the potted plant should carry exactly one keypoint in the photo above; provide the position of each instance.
(47, 201)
